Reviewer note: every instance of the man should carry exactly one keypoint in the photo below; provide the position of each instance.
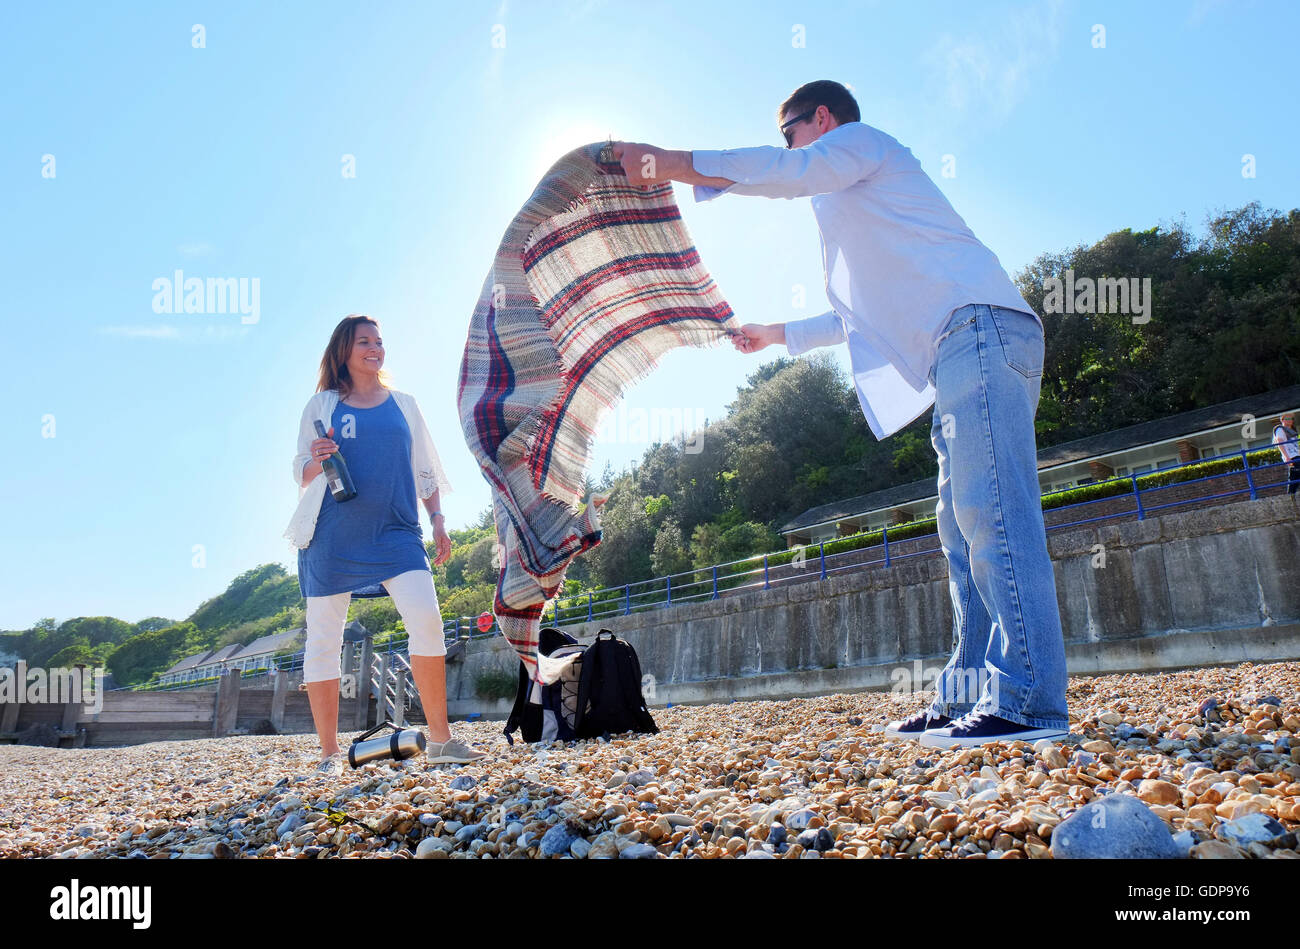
(930, 317)
(1284, 437)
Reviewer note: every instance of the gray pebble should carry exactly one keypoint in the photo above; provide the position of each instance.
(639, 852)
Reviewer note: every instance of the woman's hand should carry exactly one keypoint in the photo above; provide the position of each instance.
(322, 448)
(442, 542)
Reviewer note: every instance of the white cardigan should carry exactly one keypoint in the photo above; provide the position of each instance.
(425, 465)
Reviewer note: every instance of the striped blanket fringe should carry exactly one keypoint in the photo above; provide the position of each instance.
(594, 280)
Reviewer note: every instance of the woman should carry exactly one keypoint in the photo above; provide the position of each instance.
(372, 538)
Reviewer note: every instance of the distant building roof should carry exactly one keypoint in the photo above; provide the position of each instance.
(1121, 439)
(353, 632)
(189, 662)
(270, 644)
(225, 652)
(851, 507)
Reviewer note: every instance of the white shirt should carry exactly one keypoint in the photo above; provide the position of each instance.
(898, 258)
(426, 467)
(1284, 439)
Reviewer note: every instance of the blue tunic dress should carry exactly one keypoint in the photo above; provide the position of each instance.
(376, 535)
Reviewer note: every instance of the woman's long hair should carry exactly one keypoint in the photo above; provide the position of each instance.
(334, 364)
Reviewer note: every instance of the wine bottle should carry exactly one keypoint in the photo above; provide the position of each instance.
(336, 472)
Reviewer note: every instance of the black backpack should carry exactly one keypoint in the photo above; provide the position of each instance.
(609, 695)
(547, 712)
(598, 694)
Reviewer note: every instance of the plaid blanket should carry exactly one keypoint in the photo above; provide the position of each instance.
(594, 280)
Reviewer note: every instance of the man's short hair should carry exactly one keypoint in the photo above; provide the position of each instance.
(838, 100)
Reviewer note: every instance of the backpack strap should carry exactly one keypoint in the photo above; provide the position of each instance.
(521, 698)
(584, 686)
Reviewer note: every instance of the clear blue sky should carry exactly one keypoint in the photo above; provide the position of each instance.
(176, 430)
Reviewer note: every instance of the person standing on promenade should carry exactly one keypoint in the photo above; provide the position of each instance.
(1284, 437)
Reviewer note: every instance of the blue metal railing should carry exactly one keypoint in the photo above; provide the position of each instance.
(661, 592)
(757, 572)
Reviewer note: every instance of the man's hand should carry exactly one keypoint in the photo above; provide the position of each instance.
(643, 164)
(755, 336)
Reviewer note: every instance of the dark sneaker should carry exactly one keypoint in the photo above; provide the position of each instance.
(979, 728)
(914, 725)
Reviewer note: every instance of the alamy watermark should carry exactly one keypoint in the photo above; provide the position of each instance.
(637, 425)
(102, 901)
(963, 687)
(1128, 295)
(181, 294)
(83, 685)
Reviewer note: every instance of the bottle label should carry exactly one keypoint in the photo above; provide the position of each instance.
(336, 486)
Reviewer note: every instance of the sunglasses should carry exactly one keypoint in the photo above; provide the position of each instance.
(788, 133)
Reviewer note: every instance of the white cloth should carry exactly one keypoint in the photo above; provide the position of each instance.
(426, 467)
(898, 259)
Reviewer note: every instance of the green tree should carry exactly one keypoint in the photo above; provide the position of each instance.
(623, 555)
(146, 654)
(670, 554)
(706, 545)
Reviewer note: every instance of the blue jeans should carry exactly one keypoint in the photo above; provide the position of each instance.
(1009, 655)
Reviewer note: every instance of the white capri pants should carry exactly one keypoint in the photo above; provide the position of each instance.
(417, 602)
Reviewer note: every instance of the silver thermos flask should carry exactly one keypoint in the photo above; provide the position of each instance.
(402, 743)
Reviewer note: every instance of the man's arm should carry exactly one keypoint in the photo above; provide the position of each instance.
(840, 158)
(797, 336)
(824, 329)
(646, 164)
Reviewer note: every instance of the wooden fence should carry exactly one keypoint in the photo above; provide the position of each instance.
(131, 718)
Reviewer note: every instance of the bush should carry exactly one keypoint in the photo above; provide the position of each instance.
(496, 684)
(1159, 479)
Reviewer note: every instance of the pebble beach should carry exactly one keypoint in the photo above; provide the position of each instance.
(1201, 764)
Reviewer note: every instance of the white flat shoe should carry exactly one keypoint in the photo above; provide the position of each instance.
(332, 764)
(451, 751)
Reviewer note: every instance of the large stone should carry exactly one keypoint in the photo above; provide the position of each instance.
(604, 847)
(639, 852)
(289, 824)
(1216, 850)
(1117, 826)
(469, 832)
(42, 734)
(1153, 791)
(432, 848)
(799, 820)
(560, 838)
(1251, 828)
